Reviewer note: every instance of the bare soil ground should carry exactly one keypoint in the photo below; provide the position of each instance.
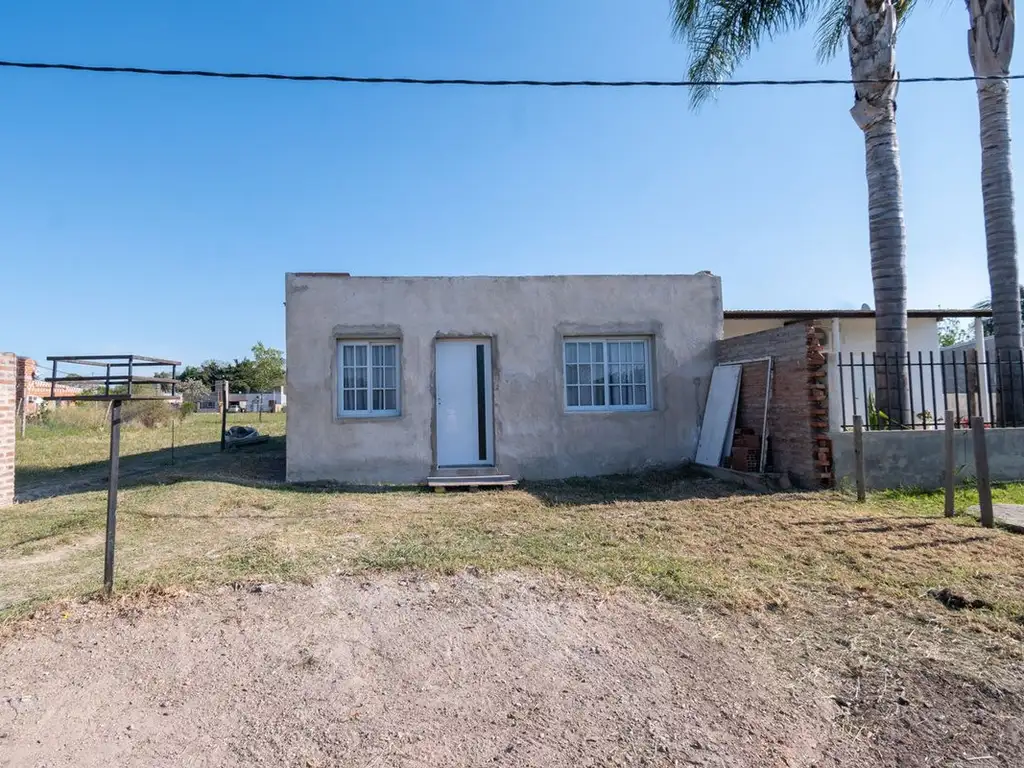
(511, 669)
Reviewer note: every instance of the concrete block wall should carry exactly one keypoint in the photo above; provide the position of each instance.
(8, 375)
(916, 458)
(798, 409)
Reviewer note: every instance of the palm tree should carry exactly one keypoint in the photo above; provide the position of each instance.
(990, 44)
(722, 33)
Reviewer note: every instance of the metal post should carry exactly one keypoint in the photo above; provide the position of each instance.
(224, 414)
(981, 470)
(115, 452)
(950, 466)
(858, 456)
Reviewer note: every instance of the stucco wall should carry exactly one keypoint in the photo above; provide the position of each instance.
(735, 326)
(917, 458)
(526, 319)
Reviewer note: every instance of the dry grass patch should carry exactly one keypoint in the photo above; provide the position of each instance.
(683, 538)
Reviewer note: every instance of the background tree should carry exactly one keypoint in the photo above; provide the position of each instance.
(267, 369)
(722, 34)
(952, 331)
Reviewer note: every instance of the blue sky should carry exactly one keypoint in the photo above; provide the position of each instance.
(158, 215)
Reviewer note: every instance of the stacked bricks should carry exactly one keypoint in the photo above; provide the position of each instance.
(798, 408)
(817, 395)
(8, 374)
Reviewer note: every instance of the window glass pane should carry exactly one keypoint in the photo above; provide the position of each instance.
(348, 354)
(640, 374)
(389, 378)
(599, 396)
(378, 354)
(378, 377)
(641, 395)
(586, 396)
(639, 351)
(584, 374)
(360, 374)
(361, 400)
(390, 354)
(613, 353)
(625, 375)
(570, 352)
(615, 393)
(361, 355)
(572, 374)
(378, 399)
(584, 353)
(349, 401)
(597, 349)
(390, 400)
(597, 374)
(572, 396)
(348, 378)
(627, 395)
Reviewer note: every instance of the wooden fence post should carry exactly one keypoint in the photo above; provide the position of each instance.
(858, 456)
(981, 469)
(950, 466)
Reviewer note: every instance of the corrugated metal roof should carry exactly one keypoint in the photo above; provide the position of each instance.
(818, 314)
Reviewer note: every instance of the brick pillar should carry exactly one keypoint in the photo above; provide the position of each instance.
(8, 374)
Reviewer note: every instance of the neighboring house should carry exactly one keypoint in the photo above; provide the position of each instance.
(252, 402)
(396, 379)
(849, 334)
(32, 392)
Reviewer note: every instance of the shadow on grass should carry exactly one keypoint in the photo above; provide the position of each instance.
(263, 466)
(679, 484)
(257, 465)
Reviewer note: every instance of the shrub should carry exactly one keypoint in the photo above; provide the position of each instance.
(73, 416)
(147, 413)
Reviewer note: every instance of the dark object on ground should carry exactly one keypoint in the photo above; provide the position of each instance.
(956, 602)
(239, 437)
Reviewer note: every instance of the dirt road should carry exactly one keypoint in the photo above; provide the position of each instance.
(460, 671)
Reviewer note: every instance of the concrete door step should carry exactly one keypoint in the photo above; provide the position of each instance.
(442, 481)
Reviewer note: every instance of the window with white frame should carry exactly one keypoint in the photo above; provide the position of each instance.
(368, 378)
(608, 374)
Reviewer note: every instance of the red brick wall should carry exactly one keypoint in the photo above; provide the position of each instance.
(8, 368)
(798, 440)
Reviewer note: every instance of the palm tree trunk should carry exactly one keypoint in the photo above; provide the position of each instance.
(872, 42)
(990, 44)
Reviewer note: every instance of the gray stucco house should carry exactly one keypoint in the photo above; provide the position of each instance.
(398, 379)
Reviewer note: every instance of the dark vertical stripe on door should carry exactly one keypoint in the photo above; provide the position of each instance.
(481, 402)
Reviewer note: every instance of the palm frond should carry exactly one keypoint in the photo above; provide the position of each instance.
(832, 27)
(721, 34)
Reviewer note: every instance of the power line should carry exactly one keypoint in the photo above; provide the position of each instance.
(346, 79)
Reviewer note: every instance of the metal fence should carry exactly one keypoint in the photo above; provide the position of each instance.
(953, 380)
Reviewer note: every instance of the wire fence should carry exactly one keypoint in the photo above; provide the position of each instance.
(960, 381)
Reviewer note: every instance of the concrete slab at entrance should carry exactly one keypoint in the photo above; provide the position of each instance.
(1009, 516)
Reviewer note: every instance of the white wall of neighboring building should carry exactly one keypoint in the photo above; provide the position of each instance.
(857, 336)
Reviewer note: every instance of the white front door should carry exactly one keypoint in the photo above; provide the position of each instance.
(465, 430)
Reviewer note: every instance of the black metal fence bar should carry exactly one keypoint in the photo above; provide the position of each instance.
(954, 380)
